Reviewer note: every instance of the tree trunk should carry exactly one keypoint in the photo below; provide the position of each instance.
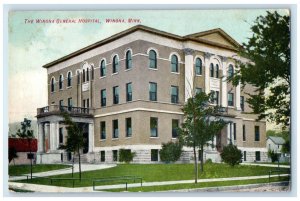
(201, 159)
(196, 165)
(73, 165)
(79, 164)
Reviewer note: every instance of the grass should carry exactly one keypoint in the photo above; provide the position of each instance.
(16, 170)
(199, 185)
(159, 172)
(20, 190)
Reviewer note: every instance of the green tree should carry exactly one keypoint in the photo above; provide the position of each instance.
(268, 50)
(231, 155)
(170, 152)
(125, 155)
(26, 133)
(75, 140)
(200, 125)
(273, 155)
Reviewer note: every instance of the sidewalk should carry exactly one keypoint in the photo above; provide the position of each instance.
(45, 188)
(84, 168)
(267, 165)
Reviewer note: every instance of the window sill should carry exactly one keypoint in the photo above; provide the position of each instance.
(102, 140)
(174, 138)
(115, 73)
(102, 77)
(129, 69)
(154, 137)
(198, 75)
(69, 87)
(231, 107)
(153, 69)
(113, 139)
(128, 138)
(61, 89)
(176, 73)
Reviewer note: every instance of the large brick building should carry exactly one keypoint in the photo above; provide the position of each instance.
(127, 91)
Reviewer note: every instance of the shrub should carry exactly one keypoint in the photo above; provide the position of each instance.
(125, 155)
(231, 155)
(208, 161)
(170, 152)
(272, 155)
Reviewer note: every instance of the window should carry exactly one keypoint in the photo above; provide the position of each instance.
(257, 135)
(245, 155)
(154, 154)
(115, 155)
(92, 72)
(242, 103)
(174, 64)
(70, 104)
(257, 155)
(61, 103)
(128, 127)
(102, 68)
(69, 79)
(128, 92)
(215, 97)
(175, 125)
(115, 129)
(198, 90)
(116, 95)
(61, 80)
(87, 74)
(102, 156)
(153, 127)
(115, 64)
(230, 99)
(61, 135)
(84, 103)
(52, 84)
(217, 71)
(230, 71)
(102, 130)
(244, 133)
(198, 66)
(211, 69)
(83, 75)
(103, 97)
(87, 103)
(234, 131)
(152, 59)
(152, 91)
(128, 60)
(174, 94)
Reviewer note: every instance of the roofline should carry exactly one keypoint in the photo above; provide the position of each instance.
(149, 30)
(274, 141)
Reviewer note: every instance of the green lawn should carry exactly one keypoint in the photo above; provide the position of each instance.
(160, 172)
(198, 185)
(16, 170)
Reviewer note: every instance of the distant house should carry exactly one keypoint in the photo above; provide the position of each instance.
(275, 143)
(23, 150)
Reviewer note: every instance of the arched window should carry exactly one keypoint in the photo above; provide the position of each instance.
(52, 84)
(115, 64)
(92, 72)
(211, 68)
(198, 66)
(128, 60)
(69, 79)
(83, 75)
(102, 68)
(217, 71)
(230, 71)
(152, 59)
(87, 74)
(61, 79)
(174, 63)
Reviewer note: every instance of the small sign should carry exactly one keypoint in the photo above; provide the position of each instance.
(85, 87)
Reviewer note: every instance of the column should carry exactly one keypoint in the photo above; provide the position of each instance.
(91, 137)
(57, 135)
(238, 96)
(207, 78)
(53, 135)
(47, 137)
(189, 73)
(40, 137)
(224, 83)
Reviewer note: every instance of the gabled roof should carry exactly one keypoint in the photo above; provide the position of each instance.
(277, 140)
(200, 37)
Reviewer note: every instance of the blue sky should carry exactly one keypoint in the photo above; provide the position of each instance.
(33, 45)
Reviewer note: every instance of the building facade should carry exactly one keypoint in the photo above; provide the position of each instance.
(127, 92)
